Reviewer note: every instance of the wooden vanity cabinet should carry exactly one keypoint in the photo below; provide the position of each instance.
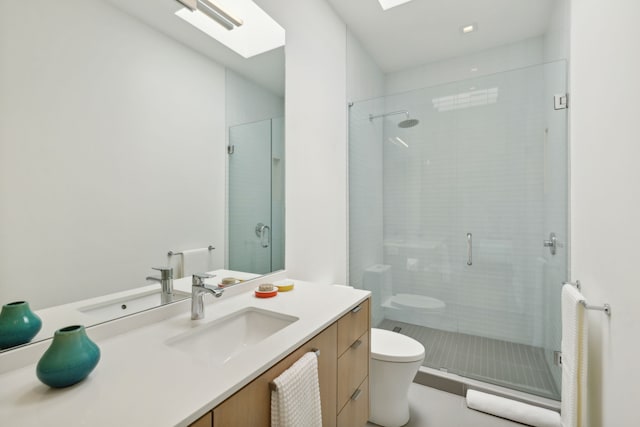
(251, 406)
(204, 421)
(352, 397)
(343, 371)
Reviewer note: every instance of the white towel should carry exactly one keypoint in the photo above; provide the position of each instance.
(295, 402)
(574, 358)
(512, 410)
(196, 261)
(175, 261)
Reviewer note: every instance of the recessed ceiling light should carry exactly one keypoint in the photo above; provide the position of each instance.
(259, 33)
(388, 4)
(466, 29)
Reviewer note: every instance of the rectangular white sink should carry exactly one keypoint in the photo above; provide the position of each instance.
(124, 305)
(221, 340)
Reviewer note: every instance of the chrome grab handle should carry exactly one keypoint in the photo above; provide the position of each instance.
(356, 309)
(552, 243)
(469, 249)
(356, 394)
(261, 231)
(356, 344)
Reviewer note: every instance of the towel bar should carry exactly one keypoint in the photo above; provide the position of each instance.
(171, 253)
(606, 307)
(576, 284)
(272, 385)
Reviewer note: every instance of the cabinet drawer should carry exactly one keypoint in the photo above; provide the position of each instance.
(353, 368)
(356, 411)
(205, 421)
(352, 325)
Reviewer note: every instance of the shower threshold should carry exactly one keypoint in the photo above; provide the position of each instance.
(454, 361)
(456, 384)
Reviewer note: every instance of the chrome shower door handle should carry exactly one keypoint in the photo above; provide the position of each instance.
(263, 230)
(552, 243)
(267, 231)
(469, 249)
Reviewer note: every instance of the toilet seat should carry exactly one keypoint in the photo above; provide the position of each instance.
(390, 346)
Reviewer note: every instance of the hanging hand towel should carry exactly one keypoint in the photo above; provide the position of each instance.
(574, 358)
(196, 261)
(295, 401)
(175, 262)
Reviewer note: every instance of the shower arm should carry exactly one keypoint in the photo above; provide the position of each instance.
(405, 112)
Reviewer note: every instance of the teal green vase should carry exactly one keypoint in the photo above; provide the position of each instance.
(70, 358)
(18, 324)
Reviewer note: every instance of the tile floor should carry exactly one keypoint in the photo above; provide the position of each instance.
(518, 366)
(436, 408)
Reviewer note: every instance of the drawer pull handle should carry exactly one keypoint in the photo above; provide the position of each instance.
(356, 344)
(357, 309)
(356, 394)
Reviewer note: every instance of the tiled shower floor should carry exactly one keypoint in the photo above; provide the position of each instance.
(518, 366)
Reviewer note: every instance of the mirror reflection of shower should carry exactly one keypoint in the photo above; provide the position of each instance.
(408, 122)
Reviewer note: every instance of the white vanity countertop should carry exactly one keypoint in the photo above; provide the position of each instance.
(141, 381)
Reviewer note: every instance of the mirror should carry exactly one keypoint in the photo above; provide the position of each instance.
(115, 122)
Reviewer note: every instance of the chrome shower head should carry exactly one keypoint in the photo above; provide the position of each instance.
(406, 123)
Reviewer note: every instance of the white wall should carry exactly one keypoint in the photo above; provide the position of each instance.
(249, 102)
(508, 57)
(605, 197)
(316, 128)
(556, 38)
(111, 150)
(365, 81)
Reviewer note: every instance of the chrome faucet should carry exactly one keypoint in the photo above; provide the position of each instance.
(198, 291)
(166, 282)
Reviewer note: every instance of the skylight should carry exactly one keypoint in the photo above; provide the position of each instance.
(388, 4)
(259, 33)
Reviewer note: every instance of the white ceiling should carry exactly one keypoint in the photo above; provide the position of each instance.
(266, 69)
(424, 31)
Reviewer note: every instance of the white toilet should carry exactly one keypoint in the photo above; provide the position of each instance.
(395, 359)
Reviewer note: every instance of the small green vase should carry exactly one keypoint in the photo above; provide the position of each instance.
(18, 324)
(70, 358)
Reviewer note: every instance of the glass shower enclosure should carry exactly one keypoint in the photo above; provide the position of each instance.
(458, 223)
(256, 196)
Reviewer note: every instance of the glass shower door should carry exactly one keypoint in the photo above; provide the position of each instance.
(511, 194)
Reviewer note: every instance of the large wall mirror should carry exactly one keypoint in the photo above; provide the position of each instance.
(126, 132)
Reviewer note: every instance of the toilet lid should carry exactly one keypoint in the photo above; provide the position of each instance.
(394, 347)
